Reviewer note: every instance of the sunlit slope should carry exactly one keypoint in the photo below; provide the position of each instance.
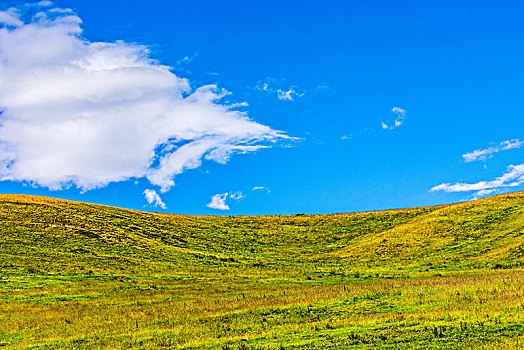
(39, 234)
(480, 232)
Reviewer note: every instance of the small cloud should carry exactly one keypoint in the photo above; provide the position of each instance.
(45, 3)
(346, 137)
(237, 195)
(513, 177)
(186, 59)
(289, 94)
(398, 110)
(484, 193)
(218, 201)
(153, 198)
(323, 86)
(285, 95)
(181, 65)
(399, 120)
(60, 10)
(260, 188)
(275, 87)
(483, 154)
(240, 104)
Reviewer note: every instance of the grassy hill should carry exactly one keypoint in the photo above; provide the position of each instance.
(77, 275)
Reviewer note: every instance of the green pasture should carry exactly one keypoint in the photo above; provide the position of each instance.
(81, 276)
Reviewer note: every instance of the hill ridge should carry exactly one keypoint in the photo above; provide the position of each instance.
(48, 198)
(344, 239)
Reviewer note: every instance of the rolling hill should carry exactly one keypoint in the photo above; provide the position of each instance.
(78, 275)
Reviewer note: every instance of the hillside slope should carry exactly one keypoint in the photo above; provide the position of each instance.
(83, 276)
(57, 235)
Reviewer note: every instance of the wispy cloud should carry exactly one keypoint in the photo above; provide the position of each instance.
(513, 177)
(288, 95)
(181, 65)
(218, 201)
(153, 198)
(483, 154)
(261, 188)
(275, 87)
(82, 113)
(237, 195)
(399, 120)
(186, 59)
(322, 86)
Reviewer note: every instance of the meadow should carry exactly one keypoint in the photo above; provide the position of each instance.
(82, 276)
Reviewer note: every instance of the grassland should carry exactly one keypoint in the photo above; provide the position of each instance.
(76, 275)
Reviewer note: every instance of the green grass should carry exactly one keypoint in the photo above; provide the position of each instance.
(76, 275)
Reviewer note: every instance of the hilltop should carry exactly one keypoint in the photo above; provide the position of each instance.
(83, 275)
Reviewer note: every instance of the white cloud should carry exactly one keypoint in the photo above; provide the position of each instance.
(323, 86)
(237, 195)
(260, 188)
(483, 154)
(484, 193)
(288, 95)
(285, 95)
(398, 110)
(153, 198)
(399, 120)
(187, 59)
(181, 65)
(60, 10)
(85, 114)
(11, 17)
(513, 177)
(218, 201)
(45, 3)
(273, 86)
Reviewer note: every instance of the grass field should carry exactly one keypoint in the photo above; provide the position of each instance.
(76, 275)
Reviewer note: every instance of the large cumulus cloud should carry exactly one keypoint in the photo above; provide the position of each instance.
(82, 113)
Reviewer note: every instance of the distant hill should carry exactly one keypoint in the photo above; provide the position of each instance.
(46, 234)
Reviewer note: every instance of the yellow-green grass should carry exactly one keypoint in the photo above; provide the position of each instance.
(77, 275)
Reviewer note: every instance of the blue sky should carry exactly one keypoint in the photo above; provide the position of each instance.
(352, 106)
